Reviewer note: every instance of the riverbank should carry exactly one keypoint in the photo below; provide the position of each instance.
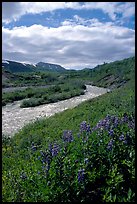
(14, 117)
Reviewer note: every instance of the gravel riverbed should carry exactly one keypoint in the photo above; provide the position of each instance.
(14, 117)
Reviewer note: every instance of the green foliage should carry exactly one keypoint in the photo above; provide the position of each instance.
(83, 154)
(38, 96)
(109, 174)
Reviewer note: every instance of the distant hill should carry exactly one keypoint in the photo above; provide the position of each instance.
(112, 75)
(13, 67)
(42, 66)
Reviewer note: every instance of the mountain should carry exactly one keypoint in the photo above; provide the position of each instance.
(42, 66)
(13, 66)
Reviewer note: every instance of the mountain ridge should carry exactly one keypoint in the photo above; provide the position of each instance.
(14, 66)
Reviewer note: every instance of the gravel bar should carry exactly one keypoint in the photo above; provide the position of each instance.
(14, 117)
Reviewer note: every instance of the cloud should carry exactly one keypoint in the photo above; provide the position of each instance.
(12, 11)
(72, 46)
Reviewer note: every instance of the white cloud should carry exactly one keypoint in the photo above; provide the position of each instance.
(72, 46)
(14, 10)
(77, 20)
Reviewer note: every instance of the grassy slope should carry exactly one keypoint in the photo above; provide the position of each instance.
(112, 75)
(117, 102)
(113, 103)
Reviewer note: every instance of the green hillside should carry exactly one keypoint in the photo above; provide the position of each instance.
(112, 75)
(83, 154)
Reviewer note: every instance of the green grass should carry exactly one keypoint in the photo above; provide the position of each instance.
(25, 180)
(38, 96)
(39, 164)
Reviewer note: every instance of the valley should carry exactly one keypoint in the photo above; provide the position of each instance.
(66, 130)
(14, 117)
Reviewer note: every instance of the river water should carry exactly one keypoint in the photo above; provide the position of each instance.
(14, 117)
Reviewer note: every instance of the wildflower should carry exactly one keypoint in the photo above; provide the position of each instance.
(42, 153)
(67, 136)
(50, 147)
(121, 138)
(125, 141)
(85, 127)
(125, 117)
(111, 132)
(115, 121)
(110, 144)
(88, 128)
(55, 150)
(81, 175)
(33, 147)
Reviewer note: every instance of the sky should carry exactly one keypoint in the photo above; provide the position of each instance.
(75, 35)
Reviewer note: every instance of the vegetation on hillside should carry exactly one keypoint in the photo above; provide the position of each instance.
(83, 154)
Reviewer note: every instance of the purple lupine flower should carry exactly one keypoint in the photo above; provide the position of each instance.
(108, 117)
(125, 117)
(111, 132)
(42, 153)
(122, 138)
(88, 128)
(131, 124)
(125, 141)
(85, 127)
(103, 124)
(55, 150)
(110, 144)
(33, 147)
(50, 147)
(45, 157)
(81, 175)
(116, 121)
(67, 136)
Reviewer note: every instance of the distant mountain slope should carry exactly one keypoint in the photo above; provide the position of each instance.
(17, 66)
(42, 66)
(23, 67)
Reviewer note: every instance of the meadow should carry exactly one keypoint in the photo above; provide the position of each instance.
(83, 154)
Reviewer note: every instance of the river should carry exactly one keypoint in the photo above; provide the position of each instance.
(14, 117)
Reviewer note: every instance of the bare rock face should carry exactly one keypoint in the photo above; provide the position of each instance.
(14, 117)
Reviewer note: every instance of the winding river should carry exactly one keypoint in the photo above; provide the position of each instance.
(14, 117)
